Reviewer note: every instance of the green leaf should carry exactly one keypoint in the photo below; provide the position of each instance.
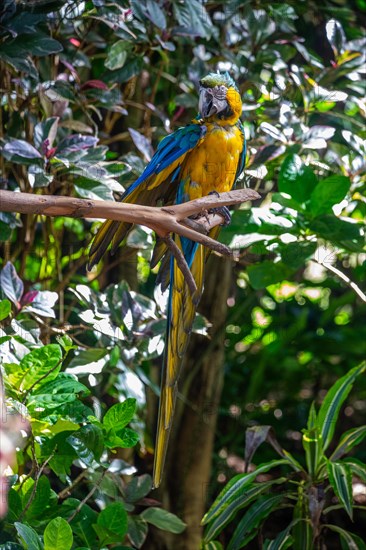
(163, 520)
(112, 523)
(155, 14)
(14, 505)
(5, 231)
(58, 535)
(242, 499)
(119, 415)
(40, 499)
(267, 273)
(88, 443)
(138, 488)
(117, 55)
(357, 466)
(295, 254)
(296, 179)
(332, 228)
(28, 536)
(236, 486)
(284, 539)
(340, 477)
(328, 192)
(38, 45)
(125, 438)
(82, 524)
(349, 439)
(5, 309)
(40, 364)
(329, 410)
(246, 529)
(353, 542)
(212, 545)
(312, 443)
(137, 530)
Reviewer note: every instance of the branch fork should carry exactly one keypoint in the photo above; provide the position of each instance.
(163, 220)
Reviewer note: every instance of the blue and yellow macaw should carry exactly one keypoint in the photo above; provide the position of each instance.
(203, 157)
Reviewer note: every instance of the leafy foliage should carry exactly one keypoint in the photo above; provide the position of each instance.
(308, 491)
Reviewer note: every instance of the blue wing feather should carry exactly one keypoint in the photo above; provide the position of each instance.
(169, 150)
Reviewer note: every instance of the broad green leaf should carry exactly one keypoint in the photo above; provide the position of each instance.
(119, 415)
(82, 524)
(246, 529)
(88, 443)
(138, 488)
(296, 179)
(37, 45)
(295, 254)
(329, 410)
(349, 439)
(334, 229)
(340, 477)
(15, 507)
(40, 365)
(29, 536)
(125, 438)
(63, 383)
(267, 273)
(5, 309)
(235, 487)
(241, 500)
(352, 541)
(117, 55)
(137, 530)
(155, 13)
(112, 523)
(328, 192)
(5, 231)
(163, 520)
(39, 500)
(58, 535)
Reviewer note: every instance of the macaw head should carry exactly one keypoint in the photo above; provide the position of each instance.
(219, 98)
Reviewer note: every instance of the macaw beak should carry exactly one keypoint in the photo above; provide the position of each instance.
(208, 104)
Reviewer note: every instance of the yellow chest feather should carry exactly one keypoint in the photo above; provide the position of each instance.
(212, 165)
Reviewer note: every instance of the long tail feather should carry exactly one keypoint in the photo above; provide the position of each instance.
(181, 313)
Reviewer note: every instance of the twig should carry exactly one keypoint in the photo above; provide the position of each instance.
(67, 491)
(88, 496)
(42, 378)
(344, 278)
(182, 264)
(33, 493)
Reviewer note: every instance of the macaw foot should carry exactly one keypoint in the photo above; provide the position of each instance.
(221, 210)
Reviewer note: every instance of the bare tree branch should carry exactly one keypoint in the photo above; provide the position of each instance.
(164, 220)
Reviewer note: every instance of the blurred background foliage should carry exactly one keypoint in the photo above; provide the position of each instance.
(87, 91)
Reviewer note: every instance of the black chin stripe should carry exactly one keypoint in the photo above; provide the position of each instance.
(226, 113)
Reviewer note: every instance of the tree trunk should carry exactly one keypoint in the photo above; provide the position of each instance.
(188, 466)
